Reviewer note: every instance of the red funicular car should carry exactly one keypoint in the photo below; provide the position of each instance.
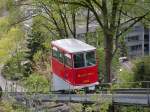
(74, 65)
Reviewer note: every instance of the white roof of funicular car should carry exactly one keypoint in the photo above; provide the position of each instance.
(73, 45)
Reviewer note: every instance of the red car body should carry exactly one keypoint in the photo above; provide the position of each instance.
(74, 77)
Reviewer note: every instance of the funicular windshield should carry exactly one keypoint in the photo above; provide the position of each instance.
(84, 59)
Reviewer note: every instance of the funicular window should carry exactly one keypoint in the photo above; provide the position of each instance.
(57, 54)
(79, 60)
(60, 56)
(90, 58)
(68, 60)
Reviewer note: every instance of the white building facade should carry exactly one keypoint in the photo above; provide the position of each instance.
(138, 41)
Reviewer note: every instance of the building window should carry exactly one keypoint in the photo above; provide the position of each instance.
(133, 38)
(146, 47)
(146, 38)
(137, 28)
(136, 47)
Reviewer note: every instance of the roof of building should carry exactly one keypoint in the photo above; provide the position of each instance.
(73, 45)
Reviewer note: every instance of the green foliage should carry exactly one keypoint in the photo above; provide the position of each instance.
(6, 106)
(10, 35)
(6, 4)
(38, 42)
(133, 109)
(124, 78)
(102, 107)
(35, 43)
(95, 38)
(101, 63)
(2, 4)
(9, 4)
(9, 42)
(101, 67)
(4, 23)
(115, 63)
(37, 83)
(37, 56)
(130, 79)
(15, 68)
(141, 70)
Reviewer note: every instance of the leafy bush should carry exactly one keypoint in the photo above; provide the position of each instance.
(142, 69)
(9, 42)
(16, 68)
(36, 83)
(6, 106)
(141, 72)
(2, 4)
(124, 78)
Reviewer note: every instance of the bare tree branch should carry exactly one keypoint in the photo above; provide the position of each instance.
(44, 25)
(95, 13)
(131, 25)
(73, 3)
(98, 4)
(51, 16)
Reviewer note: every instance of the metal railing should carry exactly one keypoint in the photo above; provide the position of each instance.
(113, 92)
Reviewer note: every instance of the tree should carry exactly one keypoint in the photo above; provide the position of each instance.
(38, 46)
(35, 43)
(59, 20)
(115, 18)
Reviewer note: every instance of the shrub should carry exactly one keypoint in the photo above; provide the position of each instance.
(124, 78)
(142, 69)
(36, 83)
(15, 68)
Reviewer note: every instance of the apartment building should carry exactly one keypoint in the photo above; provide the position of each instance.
(138, 41)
